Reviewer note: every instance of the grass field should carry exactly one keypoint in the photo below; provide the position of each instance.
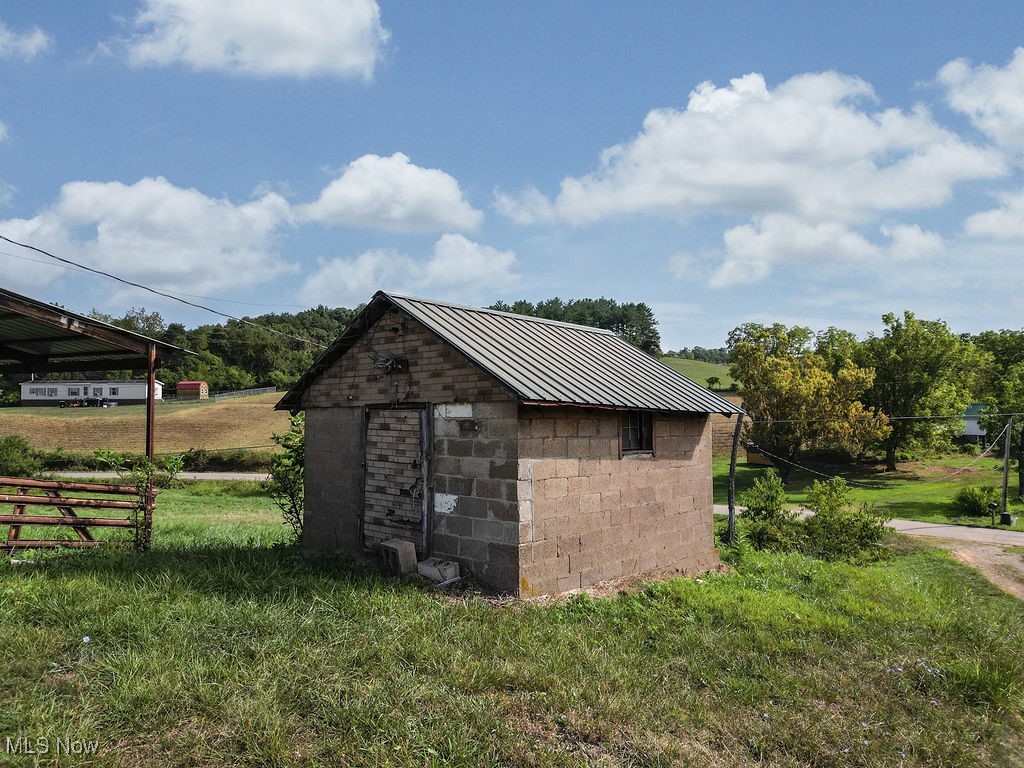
(236, 423)
(217, 648)
(922, 490)
(699, 371)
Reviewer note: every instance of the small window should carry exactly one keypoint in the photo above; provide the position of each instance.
(73, 391)
(97, 391)
(51, 391)
(114, 391)
(636, 430)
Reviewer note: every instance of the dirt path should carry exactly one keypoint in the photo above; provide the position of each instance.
(1003, 566)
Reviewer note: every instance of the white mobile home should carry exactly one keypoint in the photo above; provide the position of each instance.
(80, 393)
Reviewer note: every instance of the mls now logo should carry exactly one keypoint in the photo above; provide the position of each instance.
(23, 745)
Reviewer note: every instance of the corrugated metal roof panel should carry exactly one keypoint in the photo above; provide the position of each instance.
(540, 361)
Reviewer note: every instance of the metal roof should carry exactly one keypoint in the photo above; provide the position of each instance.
(36, 337)
(540, 361)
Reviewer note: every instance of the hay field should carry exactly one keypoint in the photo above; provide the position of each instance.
(238, 423)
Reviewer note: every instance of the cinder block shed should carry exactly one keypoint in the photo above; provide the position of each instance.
(541, 456)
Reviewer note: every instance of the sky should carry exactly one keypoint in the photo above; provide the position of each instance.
(809, 163)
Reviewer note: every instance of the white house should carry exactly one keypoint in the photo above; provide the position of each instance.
(77, 393)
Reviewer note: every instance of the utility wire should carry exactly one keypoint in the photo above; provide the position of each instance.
(160, 293)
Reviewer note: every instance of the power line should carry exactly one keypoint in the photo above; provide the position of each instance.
(160, 293)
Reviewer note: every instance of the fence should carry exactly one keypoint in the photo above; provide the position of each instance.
(223, 395)
(139, 519)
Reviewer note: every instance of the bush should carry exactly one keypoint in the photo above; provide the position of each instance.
(17, 459)
(770, 524)
(974, 499)
(837, 530)
(287, 468)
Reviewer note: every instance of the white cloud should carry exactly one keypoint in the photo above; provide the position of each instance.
(457, 268)
(299, 38)
(1001, 224)
(992, 97)
(809, 147)
(753, 251)
(26, 45)
(528, 207)
(157, 234)
(393, 194)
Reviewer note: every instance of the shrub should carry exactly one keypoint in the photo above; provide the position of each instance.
(285, 484)
(973, 500)
(770, 524)
(17, 459)
(837, 530)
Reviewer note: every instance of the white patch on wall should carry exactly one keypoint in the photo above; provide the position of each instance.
(454, 411)
(445, 503)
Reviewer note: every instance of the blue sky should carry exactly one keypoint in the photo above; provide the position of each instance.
(807, 163)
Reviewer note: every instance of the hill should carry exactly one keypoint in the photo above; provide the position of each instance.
(699, 371)
(239, 423)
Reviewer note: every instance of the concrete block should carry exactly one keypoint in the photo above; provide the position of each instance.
(399, 556)
(436, 569)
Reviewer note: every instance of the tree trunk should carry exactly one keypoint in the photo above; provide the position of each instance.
(890, 456)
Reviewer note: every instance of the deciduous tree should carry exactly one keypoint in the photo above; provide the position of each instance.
(921, 370)
(794, 400)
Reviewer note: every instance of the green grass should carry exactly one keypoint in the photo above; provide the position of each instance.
(922, 490)
(217, 648)
(699, 371)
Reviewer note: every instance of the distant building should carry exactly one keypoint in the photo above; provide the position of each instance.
(82, 393)
(193, 390)
(973, 431)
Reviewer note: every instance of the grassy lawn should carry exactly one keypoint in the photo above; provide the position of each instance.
(217, 648)
(921, 490)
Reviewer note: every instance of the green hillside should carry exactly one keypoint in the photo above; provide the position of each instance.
(700, 371)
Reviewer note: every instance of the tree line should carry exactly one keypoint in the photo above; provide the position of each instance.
(901, 391)
(276, 349)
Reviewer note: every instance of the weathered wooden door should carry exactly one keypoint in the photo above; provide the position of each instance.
(395, 491)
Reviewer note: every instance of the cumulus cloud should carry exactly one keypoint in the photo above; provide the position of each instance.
(393, 194)
(24, 45)
(753, 251)
(1002, 224)
(810, 147)
(992, 97)
(158, 234)
(299, 38)
(528, 207)
(457, 268)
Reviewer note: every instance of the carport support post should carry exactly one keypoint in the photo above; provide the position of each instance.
(147, 514)
(150, 401)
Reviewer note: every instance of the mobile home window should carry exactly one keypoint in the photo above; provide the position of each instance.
(73, 391)
(636, 431)
(114, 391)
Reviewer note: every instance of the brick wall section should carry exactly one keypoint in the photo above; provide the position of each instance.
(474, 457)
(587, 515)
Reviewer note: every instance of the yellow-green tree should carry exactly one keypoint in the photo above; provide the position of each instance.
(794, 398)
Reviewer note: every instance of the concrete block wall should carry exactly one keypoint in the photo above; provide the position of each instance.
(475, 475)
(474, 459)
(588, 515)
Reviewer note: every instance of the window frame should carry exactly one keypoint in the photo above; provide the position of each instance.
(642, 424)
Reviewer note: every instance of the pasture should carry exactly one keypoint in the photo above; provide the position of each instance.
(221, 646)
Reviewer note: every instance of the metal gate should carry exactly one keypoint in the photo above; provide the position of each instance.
(395, 489)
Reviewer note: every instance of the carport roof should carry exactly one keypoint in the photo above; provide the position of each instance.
(36, 337)
(541, 362)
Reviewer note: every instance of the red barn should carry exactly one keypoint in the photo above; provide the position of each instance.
(193, 390)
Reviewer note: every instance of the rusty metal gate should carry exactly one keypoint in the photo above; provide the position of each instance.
(395, 491)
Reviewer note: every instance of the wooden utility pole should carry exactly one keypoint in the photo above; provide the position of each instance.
(730, 537)
(1006, 461)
